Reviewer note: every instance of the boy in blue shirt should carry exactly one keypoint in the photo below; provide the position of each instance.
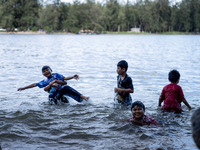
(124, 84)
(55, 84)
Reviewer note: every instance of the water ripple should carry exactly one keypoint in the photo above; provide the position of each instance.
(27, 121)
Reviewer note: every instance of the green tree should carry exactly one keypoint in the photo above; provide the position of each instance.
(130, 16)
(27, 14)
(7, 14)
(93, 12)
(112, 12)
(184, 14)
(164, 11)
(19, 13)
(54, 15)
(49, 16)
(64, 12)
(195, 15)
(72, 22)
(145, 15)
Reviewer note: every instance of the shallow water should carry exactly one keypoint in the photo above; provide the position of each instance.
(28, 121)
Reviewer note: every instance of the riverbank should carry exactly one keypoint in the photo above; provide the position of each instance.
(148, 33)
(32, 33)
(113, 33)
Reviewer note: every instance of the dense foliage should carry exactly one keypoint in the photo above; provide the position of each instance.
(150, 16)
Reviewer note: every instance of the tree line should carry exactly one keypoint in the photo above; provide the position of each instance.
(150, 15)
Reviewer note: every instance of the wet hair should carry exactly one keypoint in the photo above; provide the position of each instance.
(196, 127)
(173, 76)
(123, 64)
(139, 104)
(45, 67)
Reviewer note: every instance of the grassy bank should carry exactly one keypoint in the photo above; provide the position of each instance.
(113, 33)
(140, 33)
(177, 33)
(147, 33)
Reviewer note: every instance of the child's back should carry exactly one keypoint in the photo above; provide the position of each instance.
(172, 94)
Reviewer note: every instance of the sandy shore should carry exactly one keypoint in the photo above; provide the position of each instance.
(31, 33)
(113, 33)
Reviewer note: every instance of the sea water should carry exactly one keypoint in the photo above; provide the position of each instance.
(28, 121)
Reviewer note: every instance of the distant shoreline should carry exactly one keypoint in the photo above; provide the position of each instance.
(112, 33)
(158, 33)
(34, 33)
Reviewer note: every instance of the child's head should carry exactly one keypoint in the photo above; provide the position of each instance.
(122, 67)
(174, 76)
(46, 71)
(138, 110)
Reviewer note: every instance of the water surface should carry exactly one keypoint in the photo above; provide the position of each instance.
(27, 121)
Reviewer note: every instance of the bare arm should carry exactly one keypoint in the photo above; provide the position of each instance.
(27, 87)
(72, 77)
(124, 90)
(61, 82)
(47, 88)
(160, 101)
(54, 83)
(186, 103)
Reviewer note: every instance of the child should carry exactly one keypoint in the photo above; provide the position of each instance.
(138, 110)
(172, 94)
(56, 86)
(195, 120)
(124, 84)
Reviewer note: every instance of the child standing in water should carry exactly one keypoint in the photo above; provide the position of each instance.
(138, 110)
(124, 84)
(56, 86)
(172, 94)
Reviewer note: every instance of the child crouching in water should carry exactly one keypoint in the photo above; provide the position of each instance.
(138, 110)
(172, 94)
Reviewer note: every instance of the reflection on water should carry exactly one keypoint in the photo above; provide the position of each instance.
(28, 121)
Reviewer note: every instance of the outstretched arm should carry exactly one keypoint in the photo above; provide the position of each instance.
(27, 87)
(186, 103)
(72, 77)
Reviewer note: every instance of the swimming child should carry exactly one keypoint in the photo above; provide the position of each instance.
(55, 84)
(138, 110)
(172, 94)
(124, 84)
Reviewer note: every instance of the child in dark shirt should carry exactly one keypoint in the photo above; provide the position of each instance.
(138, 110)
(56, 86)
(124, 84)
(172, 94)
